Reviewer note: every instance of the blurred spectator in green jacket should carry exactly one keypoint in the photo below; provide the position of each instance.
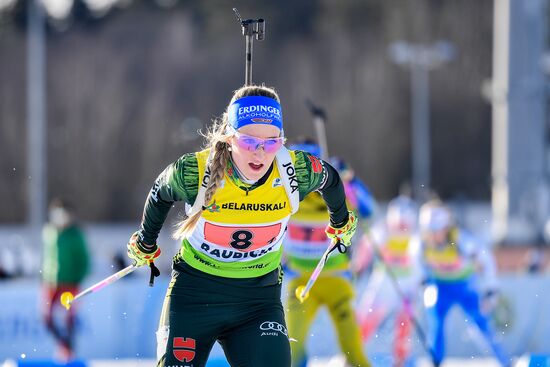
(65, 264)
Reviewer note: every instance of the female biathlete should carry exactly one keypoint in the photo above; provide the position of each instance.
(226, 279)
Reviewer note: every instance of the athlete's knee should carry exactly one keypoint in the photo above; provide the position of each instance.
(342, 309)
(181, 351)
(173, 350)
(274, 345)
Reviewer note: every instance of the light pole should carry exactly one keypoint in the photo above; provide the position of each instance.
(517, 93)
(420, 59)
(36, 117)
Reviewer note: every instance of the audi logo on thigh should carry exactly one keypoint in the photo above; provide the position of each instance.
(275, 326)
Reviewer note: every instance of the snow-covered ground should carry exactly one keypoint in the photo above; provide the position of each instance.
(336, 361)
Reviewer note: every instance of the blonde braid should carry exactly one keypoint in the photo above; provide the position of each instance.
(217, 167)
(219, 162)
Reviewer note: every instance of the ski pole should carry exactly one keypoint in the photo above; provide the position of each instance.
(67, 298)
(251, 28)
(319, 122)
(302, 292)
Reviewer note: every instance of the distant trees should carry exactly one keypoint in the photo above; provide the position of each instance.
(126, 95)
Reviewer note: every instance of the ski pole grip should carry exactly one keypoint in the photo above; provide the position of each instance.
(155, 272)
(260, 29)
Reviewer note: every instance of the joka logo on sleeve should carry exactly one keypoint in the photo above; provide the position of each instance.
(291, 173)
(184, 349)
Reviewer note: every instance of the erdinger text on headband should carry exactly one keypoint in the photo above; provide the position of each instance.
(255, 110)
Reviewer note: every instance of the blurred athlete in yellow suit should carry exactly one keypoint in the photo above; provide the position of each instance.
(306, 242)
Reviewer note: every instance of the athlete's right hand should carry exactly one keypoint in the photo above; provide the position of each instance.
(343, 233)
(141, 253)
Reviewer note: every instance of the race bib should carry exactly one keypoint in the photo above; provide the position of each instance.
(242, 238)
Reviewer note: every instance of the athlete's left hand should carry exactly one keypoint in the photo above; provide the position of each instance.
(344, 233)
